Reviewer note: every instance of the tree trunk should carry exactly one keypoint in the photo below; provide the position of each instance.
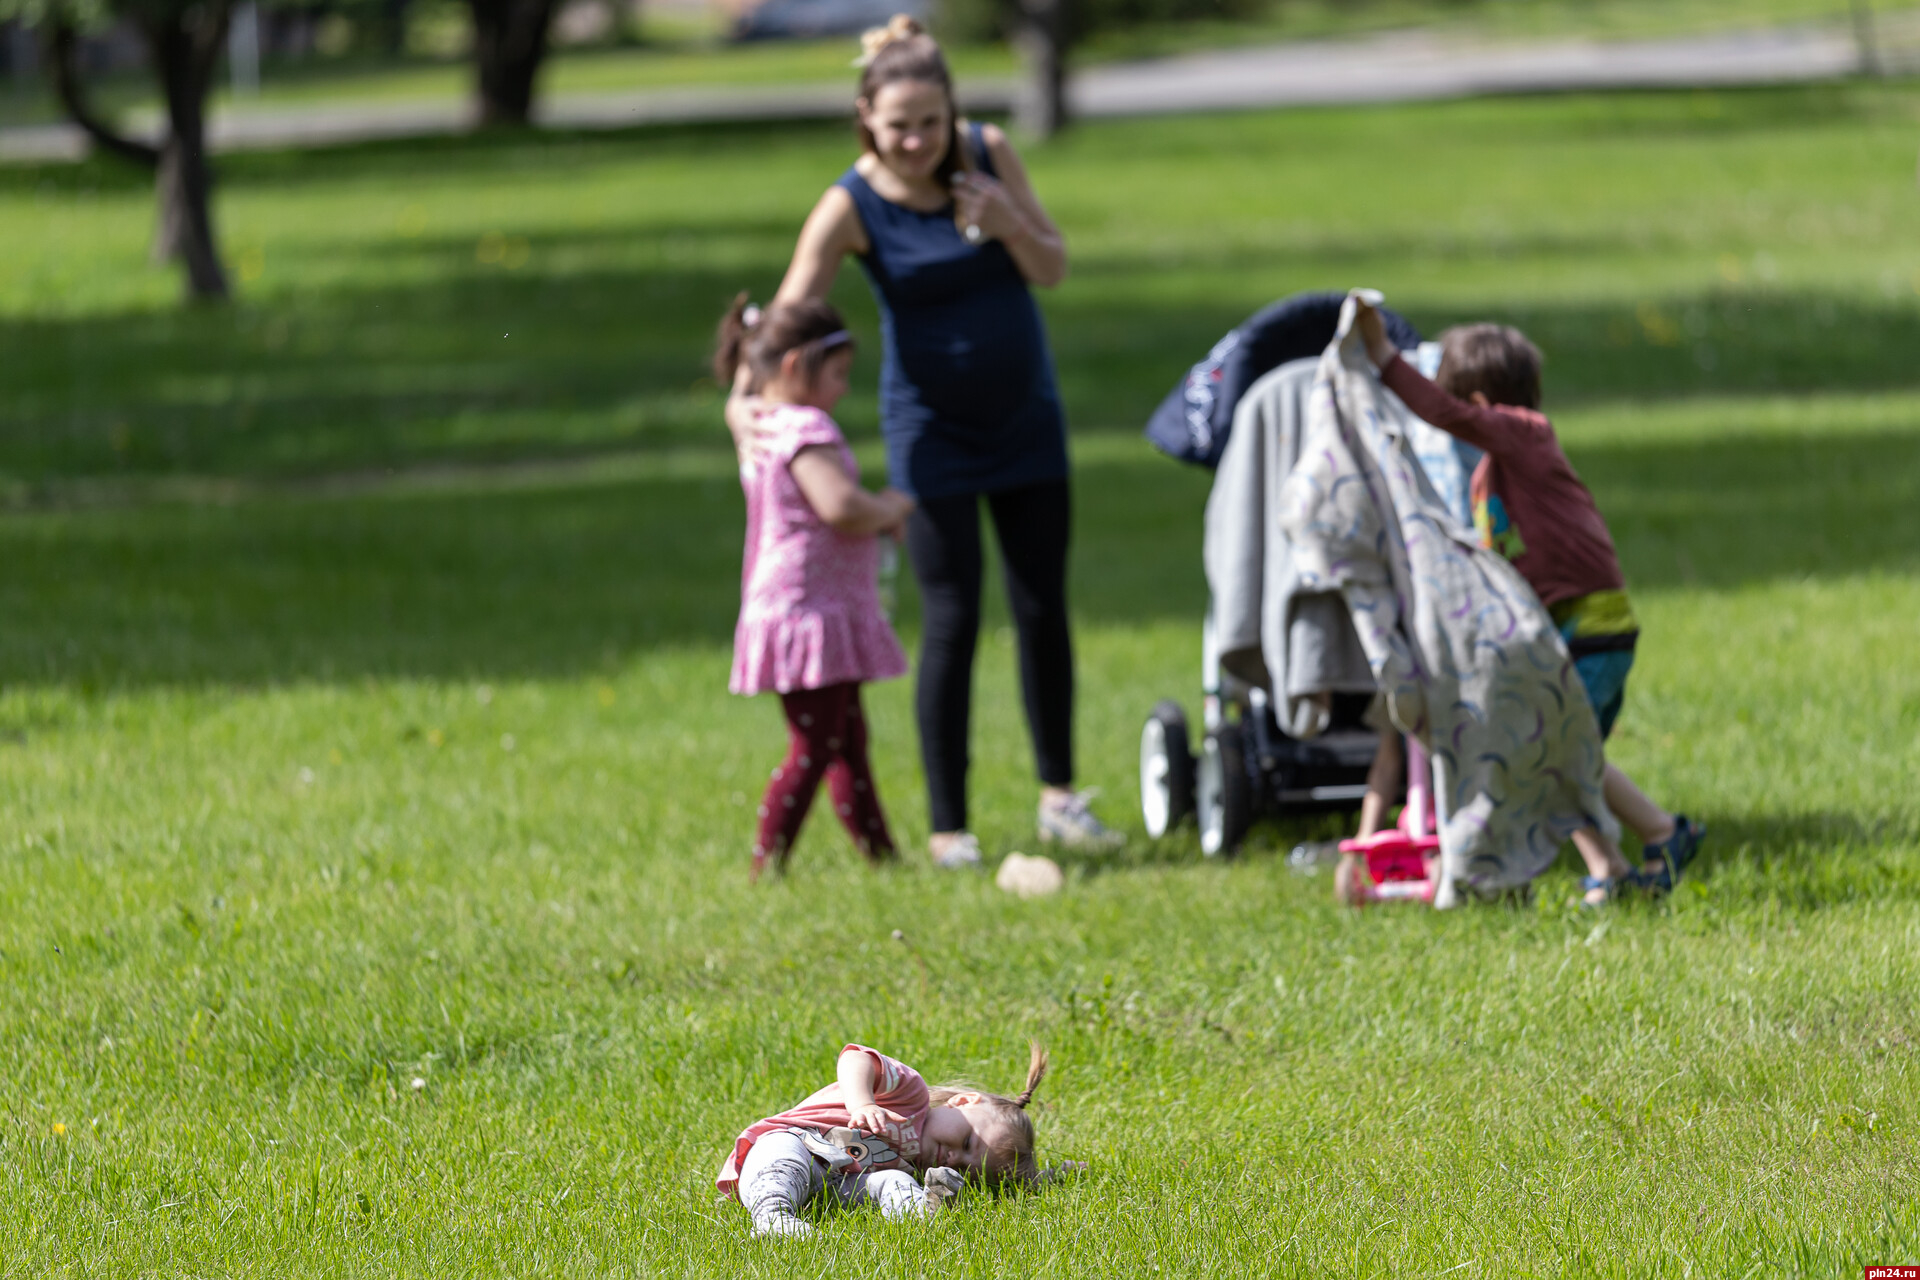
(63, 63)
(1042, 39)
(509, 44)
(185, 45)
(393, 26)
(1863, 38)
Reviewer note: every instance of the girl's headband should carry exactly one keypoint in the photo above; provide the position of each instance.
(750, 319)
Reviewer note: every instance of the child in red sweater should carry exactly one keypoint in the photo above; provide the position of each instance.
(1529, 505)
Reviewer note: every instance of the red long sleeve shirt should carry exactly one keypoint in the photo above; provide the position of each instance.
(1528, 503)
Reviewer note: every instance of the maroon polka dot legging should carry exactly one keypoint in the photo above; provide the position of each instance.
(826, 736)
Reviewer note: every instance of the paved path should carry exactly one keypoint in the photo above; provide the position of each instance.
(1387, 68)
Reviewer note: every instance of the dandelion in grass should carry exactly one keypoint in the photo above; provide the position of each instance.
(59, 1130)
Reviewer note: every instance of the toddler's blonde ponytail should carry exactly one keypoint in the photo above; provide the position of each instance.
(1036, 1072)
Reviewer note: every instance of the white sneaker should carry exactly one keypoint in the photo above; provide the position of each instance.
(1072, 823)
(942, 1187)
(780, 1226)
(962, 852)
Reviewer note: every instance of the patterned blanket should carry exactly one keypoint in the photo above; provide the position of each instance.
(1468, 658)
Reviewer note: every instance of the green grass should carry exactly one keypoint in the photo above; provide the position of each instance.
(315, 780)
(496, 298)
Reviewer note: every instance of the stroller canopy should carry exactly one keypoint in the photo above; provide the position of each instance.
(1193, 422)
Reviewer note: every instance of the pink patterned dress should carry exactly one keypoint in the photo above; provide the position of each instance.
(809, 602)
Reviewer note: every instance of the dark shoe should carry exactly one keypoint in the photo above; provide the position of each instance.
(1675, 852)
(1611, 890)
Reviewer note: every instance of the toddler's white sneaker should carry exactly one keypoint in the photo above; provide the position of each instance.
(780, 1225)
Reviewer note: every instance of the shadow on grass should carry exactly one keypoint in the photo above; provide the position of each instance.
(610, 327)
(504, 152)
(1808, 860)
(554, 580)
(504, 365)
(1805, 861)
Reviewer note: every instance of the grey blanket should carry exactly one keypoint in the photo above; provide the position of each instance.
(1470, 662)
(1269, 632)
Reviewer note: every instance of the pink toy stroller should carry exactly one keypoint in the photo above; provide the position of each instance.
(1403, 862)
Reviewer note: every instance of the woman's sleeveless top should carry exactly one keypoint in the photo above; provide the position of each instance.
(967, 396)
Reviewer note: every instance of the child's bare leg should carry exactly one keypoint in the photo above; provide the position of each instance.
(1630, 804)
(1603, 858)
(1383, 784)
(1383, 787)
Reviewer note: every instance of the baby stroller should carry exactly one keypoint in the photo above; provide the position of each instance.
(1256, 759)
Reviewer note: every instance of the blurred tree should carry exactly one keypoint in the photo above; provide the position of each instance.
(509, 43)
(184, 40)
(1044, 31)
(1864, 39)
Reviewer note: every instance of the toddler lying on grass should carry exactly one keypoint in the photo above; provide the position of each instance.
(863, 1139)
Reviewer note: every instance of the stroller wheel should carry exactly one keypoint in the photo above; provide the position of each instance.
(1166, 769)
(1223, 795)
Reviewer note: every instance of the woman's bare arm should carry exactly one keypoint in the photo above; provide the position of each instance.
(1037, 246)
(831, 232)
(836, 499)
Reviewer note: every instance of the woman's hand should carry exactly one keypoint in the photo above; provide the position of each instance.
(743, 414)
(983, 202)
(1007, 210)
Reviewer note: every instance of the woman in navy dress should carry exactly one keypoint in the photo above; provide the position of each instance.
(942, 219)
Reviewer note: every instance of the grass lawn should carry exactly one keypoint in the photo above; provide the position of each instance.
(334, 756)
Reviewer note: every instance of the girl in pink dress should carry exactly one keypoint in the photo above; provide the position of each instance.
(811, 628)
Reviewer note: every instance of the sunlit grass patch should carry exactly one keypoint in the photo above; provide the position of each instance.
(362, 722)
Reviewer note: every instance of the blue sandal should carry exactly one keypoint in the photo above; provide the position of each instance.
(1610, 885)
(1675, 852)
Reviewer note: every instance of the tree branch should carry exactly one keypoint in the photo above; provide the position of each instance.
(62, 43)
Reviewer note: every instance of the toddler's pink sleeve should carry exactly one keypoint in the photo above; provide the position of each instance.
(803, 429)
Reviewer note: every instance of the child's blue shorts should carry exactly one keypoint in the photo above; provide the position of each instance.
(1605, 676)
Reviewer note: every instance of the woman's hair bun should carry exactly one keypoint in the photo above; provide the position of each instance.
(903, 26)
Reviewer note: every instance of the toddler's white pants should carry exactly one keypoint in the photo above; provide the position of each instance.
(780, 1175)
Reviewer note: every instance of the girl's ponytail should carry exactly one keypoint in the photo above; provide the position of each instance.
(760, 340)
(1036, 1072)
(1013, 1138)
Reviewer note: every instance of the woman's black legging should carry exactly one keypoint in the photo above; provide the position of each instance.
(943, 541)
